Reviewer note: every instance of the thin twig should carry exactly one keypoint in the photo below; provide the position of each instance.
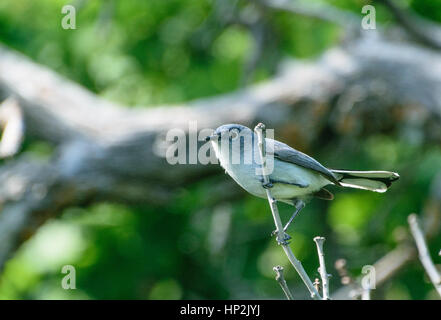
(420, 29)
(423, 251)
(260, 131)
(394, 261)
(281, 280)
(323, 274)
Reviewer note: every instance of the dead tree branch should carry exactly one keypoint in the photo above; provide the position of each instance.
(423, 252)
(281, 280)
(319, 241)
(105, 151)
(394, 261)
(422, 30)
(280, 233)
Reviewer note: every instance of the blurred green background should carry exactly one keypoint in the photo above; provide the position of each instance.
(146, 53)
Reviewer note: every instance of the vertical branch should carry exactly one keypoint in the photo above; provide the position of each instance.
(424, 254)
(260, 131)
(323, 274)
(281, 280)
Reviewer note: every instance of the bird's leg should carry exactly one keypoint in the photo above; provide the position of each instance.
(299, 204)
(286, 237)
(285, 240)
(267, 185)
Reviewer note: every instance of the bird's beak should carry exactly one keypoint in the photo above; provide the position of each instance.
(213, 137)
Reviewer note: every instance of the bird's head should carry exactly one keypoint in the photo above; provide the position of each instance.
(233, 143)
(229, 131)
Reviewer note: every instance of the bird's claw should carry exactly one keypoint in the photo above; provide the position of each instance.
(267, 185)
(285, 240)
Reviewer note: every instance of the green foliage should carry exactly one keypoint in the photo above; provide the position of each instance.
(427, 8)
(143, 53)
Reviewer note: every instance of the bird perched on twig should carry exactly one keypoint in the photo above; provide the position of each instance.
(294, 177)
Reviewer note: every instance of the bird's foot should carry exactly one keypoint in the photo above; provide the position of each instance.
(267, 185)
(284, 240)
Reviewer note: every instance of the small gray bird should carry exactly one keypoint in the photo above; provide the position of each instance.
(295, 176)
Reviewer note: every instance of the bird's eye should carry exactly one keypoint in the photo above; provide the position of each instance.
(234, 134)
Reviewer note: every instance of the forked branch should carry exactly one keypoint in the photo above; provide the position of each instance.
(261, 134)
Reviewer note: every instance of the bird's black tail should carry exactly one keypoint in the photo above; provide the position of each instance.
(378, 181)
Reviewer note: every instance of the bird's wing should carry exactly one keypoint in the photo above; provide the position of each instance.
(285, 153)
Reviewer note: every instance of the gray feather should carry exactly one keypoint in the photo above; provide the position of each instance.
(285, 153)
(378, 181)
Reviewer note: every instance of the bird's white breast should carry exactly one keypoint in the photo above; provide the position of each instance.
(247, 175)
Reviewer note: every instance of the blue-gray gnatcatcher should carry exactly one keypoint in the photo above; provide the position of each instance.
(294, 175)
